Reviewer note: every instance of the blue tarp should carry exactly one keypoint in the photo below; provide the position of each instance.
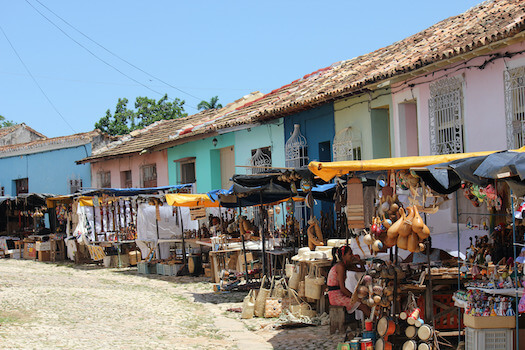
(134, 191)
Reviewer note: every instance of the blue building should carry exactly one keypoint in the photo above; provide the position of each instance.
(47, 165)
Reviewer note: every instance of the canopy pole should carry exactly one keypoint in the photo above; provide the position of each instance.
(184, 261)
(261, 228)
(459, 267)
(516, 298)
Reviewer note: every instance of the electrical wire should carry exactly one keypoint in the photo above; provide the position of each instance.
(117, 56)
(97, 57)
(36, 82)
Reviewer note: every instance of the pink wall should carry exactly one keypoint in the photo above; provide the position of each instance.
(483, 98)
(133, 163)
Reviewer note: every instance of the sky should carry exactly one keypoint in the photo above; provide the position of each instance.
(64, 63)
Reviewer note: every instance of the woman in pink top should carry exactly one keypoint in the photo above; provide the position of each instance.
(338, 294)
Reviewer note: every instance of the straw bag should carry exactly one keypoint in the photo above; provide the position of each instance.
(273, 305)
(302, 308)
(312, 284)
(288, 268)
(260, 302)
(279, 288)
(301, 289)
(293, 282)
(248, 305)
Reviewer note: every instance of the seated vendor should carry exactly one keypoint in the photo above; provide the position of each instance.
(344, 260)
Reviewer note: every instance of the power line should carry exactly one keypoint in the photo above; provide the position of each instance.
(117, 56)
(94, 55)
(36, 82)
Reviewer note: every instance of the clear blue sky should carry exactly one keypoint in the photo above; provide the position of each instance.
(205, 48)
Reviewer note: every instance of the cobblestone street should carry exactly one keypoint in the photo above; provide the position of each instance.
(64, 306)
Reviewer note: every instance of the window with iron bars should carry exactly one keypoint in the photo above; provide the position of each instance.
(104, 179)
(149, 175)
(514, 80)
(446, 116)
(75, 185)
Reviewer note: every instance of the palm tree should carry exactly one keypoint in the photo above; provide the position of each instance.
(213, 104)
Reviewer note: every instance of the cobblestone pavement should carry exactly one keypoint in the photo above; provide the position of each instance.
(64, 306)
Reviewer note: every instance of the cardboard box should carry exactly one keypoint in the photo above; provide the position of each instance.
(44, 255)
(489, 322)
(43, 246)
(29, 250)
(134, 257)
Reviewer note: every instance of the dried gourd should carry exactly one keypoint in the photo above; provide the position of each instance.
(392, 232)
(406, 227)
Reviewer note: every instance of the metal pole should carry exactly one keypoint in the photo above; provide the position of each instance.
(459, 267)
(515, 267)
(261, 228)
(183, 241)
(245, 261)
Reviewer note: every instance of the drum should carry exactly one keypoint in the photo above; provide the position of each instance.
(425, 332)
(403, 315)
(425, 346)
(383, 344)
(195, 265)
(410, 345)
(411, 332)
(369, 335)
(385, 326)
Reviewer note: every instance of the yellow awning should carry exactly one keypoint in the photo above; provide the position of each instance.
(51, 201)
(329, 170)
(190, 200)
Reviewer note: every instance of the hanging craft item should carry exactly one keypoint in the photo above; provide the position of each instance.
(355, 206)
(306, 185)
(315, 235)
(290, 206)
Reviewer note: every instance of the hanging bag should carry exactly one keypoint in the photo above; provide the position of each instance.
(289, 268)
(261, 299)
(248, 305)
(313, 283)
(295, 278)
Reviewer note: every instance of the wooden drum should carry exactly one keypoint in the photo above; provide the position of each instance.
(383, 344)
(411, 332)
(425, 332)
(425, 346)
(385, 327)
(410, 345)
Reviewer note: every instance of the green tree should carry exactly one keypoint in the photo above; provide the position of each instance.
(147, 111)
(5, 123)
(213, 104)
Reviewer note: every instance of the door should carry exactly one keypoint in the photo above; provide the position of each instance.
(227, 166)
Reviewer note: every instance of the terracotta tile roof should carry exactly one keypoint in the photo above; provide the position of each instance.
(482, 25)
(62, 140)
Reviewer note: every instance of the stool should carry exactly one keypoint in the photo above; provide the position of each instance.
(337, 319)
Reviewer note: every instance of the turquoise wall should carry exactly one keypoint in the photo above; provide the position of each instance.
(207, 161)
(47, 172)
(268, 135)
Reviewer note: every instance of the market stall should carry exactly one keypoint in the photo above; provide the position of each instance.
(411, 302)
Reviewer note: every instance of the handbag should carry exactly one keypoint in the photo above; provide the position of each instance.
(273, 307)
(293, 282)
(279, 289)
(302, 308)
(248, 305)
(289, 268)
(313, 284)
(301, 289)
(260, 302)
